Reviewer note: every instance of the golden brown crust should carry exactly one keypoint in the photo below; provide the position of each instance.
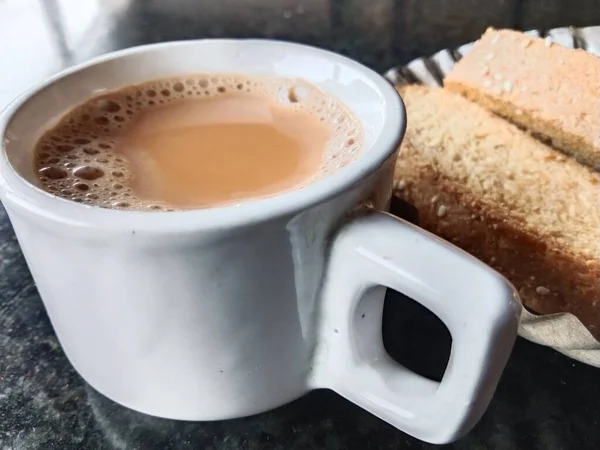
(546, 88)
(551, 274)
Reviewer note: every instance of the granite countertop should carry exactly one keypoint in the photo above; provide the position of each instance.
(544, 400)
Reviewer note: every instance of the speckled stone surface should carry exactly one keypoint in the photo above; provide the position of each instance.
(544, 401)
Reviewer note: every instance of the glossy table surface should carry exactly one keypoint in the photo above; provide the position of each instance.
(544, 400)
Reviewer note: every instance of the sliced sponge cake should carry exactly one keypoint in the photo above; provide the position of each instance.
(546, 88)
(520, 206)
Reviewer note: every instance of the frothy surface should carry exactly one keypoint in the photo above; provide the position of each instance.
(196, 142)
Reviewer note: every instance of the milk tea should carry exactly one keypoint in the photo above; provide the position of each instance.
(196, 142)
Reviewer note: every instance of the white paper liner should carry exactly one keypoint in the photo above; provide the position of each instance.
(562, 332)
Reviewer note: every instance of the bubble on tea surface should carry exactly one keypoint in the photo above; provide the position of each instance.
(81, 186)
(53, 172)
(101, 120)
(296, 94)
(88, 172)
(64, 148)
(109, 106)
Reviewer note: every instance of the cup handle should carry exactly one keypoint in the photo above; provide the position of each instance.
(479, 307)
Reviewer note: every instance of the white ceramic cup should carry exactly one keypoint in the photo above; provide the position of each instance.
(226, 312)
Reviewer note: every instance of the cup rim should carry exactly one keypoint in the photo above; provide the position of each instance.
(17, 190)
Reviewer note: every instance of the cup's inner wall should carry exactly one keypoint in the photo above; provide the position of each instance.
(43, 109)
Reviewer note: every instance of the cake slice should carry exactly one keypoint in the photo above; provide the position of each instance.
(551, 90)
(518, 205)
